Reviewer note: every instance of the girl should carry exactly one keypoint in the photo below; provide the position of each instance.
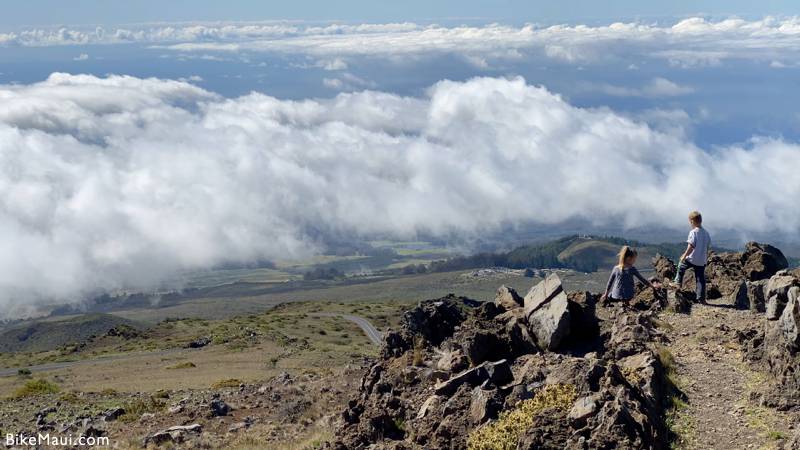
(620, 283)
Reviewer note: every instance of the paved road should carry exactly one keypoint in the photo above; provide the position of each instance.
(375, 336)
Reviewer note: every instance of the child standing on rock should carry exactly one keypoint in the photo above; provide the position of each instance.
(695, 256)
(620, 284)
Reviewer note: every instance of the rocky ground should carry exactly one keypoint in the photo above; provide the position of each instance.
(559, 370)
(288, 411)
(721, 406)
(550, 370)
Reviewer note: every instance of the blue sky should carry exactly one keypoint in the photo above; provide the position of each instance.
(46, 12)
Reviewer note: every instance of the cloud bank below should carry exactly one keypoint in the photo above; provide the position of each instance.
(121, 182)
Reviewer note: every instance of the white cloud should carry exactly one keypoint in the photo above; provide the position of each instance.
(334, 64)
(333, 83)
(120, 182)
(347, 82)
(656, 88)
(693, 42)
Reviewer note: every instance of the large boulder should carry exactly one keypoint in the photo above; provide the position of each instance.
(725, 271)
(542, 293)
(547, 311)
(761, 261)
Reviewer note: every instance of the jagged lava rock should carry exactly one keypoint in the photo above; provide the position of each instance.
(398, 406)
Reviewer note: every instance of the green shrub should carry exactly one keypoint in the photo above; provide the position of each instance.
(504, 433)
(35, 387)
(69, 397)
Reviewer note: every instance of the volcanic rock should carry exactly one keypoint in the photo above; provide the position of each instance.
(508, 298)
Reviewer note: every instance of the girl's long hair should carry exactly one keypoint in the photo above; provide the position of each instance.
(625, 253)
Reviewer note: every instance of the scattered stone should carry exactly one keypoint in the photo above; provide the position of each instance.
(790, 319)
(740, 298)
(679, 301)
(755, 295)
(582, 409)
(499, 372)
(113, 414)
(175, 409)
(199, 342)
(452, 361)
(484, 404)
(219, 408)
(429, 404)
(508, 298)
(235, 427)
(774, 308)
(176, 434)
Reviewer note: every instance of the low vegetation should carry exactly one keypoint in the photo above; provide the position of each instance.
(135, 408)
(35, 387)
(226, 383)
(504, 433)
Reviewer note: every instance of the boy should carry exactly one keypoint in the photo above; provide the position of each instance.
(695, 256)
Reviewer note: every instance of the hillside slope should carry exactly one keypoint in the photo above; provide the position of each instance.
(38, 336)
(583, 253)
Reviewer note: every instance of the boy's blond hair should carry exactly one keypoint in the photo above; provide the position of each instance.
(625, 253)
(696, 217)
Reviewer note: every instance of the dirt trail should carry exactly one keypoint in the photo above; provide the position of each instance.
(719, 412)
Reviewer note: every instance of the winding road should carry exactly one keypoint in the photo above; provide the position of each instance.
(372, 333)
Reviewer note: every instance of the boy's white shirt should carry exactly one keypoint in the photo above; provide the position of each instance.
(701, 241)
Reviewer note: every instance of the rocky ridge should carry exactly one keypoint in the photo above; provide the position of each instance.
(557, 369)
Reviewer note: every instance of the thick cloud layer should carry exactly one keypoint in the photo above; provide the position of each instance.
(688, 43)
(119, 182)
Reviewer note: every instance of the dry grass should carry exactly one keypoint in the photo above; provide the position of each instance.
(226, 383)
(255, 440)
(183, 365)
